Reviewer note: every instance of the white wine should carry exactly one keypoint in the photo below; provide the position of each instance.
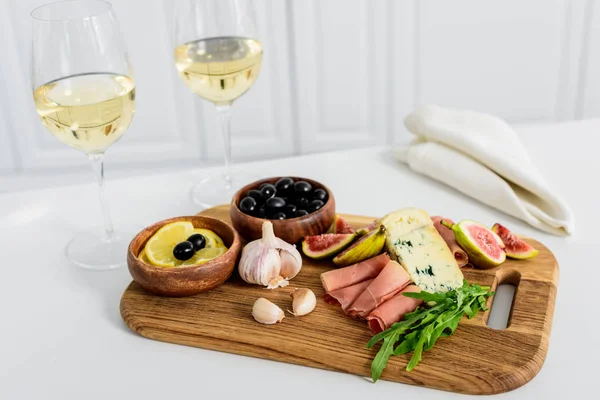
(88, 112)
(219, 69)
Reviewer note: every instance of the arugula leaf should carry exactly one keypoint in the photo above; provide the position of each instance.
(452, 326)
(382, 357)
(473, 310)
(427, 319)
(482, 301)
(426, 296)
(396, 327)
(440, 326)
(408, 344)
(418, 351)
(468, 309)
(420, 329)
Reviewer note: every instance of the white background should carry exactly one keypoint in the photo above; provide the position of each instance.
(337, 74)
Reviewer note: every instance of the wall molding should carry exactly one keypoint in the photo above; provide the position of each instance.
(587, 56)
(9, 156)
(405, 59)
(574, 57)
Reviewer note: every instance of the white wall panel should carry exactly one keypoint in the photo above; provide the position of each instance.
(590, 73)
(341, 68)
(575, 43)
(501, 57)
(8, 163)
(404, 89)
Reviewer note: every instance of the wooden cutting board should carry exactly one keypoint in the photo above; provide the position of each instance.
(475, 360)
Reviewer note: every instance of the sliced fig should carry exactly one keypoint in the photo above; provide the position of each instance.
(340, 226)
(364, 248)
(498, 239)
(514, 247)
(326, 245)
(479, 242)
(366, 229)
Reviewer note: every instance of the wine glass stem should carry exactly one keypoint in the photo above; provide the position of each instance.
(224, 111)
(97, 160)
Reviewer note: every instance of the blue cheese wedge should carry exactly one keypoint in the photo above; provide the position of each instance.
(413, 241)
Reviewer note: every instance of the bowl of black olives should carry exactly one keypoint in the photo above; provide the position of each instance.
(296, 206)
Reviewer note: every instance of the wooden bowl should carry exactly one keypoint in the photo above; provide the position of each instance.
(189, 280)
(291, 230)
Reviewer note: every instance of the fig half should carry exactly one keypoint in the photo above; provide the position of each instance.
(367, 246)
(340, 226)
(513, 246)
(366, 229)
(326, 245)
(480, 243)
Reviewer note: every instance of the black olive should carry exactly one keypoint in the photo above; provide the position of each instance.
(289, 210)
(301, 213)
(319, 194)
(262, 185)
(315, 205)
(284, 185)
(262, 213)
(198, 240)
(279, 215)
(268, 191)
(256, 195)
(275, 204)
(302, 203)
(302, 188)
(183, 251)
(248, 205)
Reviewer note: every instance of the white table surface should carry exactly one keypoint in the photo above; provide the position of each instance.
(62, 337)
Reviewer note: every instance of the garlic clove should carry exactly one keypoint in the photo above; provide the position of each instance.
(303, 302)
(289, 265)
(268, 266)
(291, 260)
(259, 264)
(266, 312)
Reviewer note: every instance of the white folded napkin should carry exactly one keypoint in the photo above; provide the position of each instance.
(481, 156)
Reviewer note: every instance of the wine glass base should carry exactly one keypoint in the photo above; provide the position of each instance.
(95, 251)
(215, 190)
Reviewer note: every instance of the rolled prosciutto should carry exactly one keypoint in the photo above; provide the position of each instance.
(353, 274)
(346, 296)
(393, 310)
(390, 281)
(459, 254)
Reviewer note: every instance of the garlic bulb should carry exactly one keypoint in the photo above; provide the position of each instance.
(266, 312)
(303, 302)
(269, 261)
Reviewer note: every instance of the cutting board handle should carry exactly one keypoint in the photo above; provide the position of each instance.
(503, 277)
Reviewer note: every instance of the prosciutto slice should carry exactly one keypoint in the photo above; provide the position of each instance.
(353, 274)
(346, 296)
(393, 310)
(459, 254)
(390, 281)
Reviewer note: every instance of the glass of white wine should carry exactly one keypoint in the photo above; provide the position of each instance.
(84, 94)
(218, 57)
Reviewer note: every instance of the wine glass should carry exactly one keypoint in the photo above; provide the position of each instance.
(84, 93)
(218, 57)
